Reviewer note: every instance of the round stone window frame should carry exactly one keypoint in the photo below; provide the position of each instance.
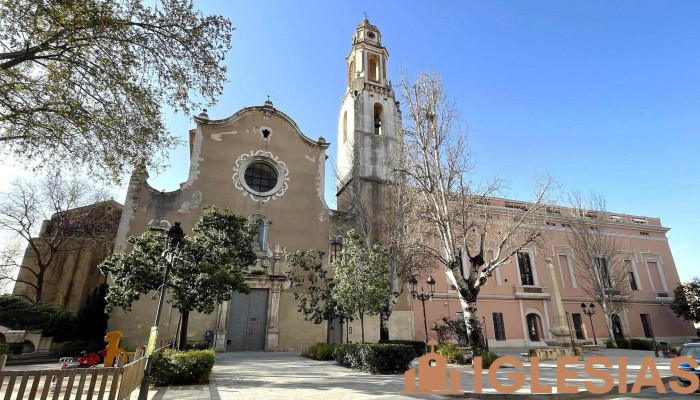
(265, 160)
(245, 160)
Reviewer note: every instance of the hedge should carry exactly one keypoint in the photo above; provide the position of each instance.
(3, 349)
(172, 367)
(198, 345)
(76, 347)
(641, 344)
(418, 345)
(380, 358)
(322, 351)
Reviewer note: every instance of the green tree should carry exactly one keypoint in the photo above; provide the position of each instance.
(315, 295)
(686, 300)
(362, 278)
(92, 317)
(83, 82)
(210, 268)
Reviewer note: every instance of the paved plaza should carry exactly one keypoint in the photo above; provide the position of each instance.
(259, 375)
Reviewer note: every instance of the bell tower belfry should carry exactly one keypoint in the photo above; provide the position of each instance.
(369, 120)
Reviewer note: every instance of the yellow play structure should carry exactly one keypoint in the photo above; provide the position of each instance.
(113, 340)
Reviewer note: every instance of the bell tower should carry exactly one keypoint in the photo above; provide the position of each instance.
(369, 120)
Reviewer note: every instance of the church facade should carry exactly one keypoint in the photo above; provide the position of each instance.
(259, 164)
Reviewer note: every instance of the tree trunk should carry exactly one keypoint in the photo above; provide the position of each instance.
(183, 330)
(362, 326)
(611, 334)
(475, 335)
(384, 325)
(329, 324)
(39, 287)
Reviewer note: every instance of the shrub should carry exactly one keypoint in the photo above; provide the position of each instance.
(75, 347)
(172, 367)
(609, 344)
(380, 358)
(622, 343)
(3, 349)
(418, 345)
(487, 358)
(451, 353)
(15, 349)
(641, 344)
(198, 345)
(54, 320)
(322, 351)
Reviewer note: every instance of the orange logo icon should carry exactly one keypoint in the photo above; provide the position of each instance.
(432, 375)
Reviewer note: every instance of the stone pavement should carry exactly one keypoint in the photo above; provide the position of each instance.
(257, 375)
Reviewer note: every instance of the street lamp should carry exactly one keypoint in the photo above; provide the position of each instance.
(173, 247)
(590, 313)
(423, 296)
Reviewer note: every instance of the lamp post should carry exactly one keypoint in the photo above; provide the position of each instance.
(423, 296)
(590, 311)
(173, 247)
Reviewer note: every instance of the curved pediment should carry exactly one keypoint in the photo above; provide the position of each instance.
(268, 110)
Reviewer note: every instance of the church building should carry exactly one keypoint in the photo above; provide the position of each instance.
(260, 164)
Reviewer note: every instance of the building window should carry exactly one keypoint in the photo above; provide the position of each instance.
(527, 276)
(377, 119)
(261, 177)
(646, 324)
(633, 282)
(534, 327)
(602, 266)
(578, 326)
(499, 328)
(336, 251)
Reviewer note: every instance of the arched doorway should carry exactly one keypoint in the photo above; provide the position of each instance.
(534, 327)
(617, 327)
(28, 347)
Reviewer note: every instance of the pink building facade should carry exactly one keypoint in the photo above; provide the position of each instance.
(515, 305)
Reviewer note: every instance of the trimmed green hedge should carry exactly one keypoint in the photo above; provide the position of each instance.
(641, 344)
(380, 358)
(3, 349)
(322, 351)
(172, 367)
(198, 345)
(418, 345)
(15, 349)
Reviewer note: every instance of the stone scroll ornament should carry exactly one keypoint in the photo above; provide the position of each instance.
(242, 162)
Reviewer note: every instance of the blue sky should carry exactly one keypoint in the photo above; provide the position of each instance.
(604, 95)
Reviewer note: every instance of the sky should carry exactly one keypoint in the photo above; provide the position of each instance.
(602, 95)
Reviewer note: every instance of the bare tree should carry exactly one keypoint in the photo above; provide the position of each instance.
(50, 217)
(454, 215)
(600, 270)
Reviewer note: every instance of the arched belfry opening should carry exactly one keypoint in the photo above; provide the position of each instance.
(374, 68)
(378, 123)
(345, 127)
(351, 72)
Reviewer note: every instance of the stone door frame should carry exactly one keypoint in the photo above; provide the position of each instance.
(275, 284)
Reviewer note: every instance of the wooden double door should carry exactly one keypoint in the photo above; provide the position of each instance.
(248, 321)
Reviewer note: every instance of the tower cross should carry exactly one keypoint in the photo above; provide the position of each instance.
(366, 17)
(268, 97)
